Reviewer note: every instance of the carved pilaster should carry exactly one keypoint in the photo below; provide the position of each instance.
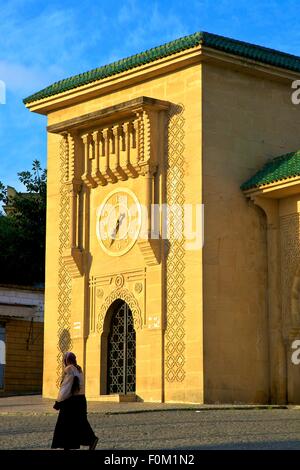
(119, 147)
(96, 174)
(135, 144)
(140, 124)
(145, 125)
(108, 148)
(64, 279)
(175, 262)
(147, 135)
(127, 129)
(71, 253)
(88, 156)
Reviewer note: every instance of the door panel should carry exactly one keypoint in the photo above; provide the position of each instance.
(121, 352)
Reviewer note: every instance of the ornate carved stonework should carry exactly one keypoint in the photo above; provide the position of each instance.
(175, 264)
(295, 301)
(123, 148)
(64, 279)
(138, 287)
(129, 298)
(119, 281)
(290, 260)
(117, 286)
(107, 146)
(100, 293)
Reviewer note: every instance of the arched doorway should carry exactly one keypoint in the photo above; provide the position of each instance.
(121, 351)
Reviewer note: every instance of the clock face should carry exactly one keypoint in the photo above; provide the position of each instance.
(118, 221)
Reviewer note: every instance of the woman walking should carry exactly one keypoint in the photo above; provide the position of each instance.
(72, 428)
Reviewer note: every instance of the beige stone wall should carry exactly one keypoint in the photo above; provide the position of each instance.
(231, 123)
(52, 267)
(24, 356)
(246, 121)
(183, 88)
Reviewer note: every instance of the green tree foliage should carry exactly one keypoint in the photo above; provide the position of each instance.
(22, 230)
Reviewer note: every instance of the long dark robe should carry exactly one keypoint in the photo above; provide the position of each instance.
(72, 428)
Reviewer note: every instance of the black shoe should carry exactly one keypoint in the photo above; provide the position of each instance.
(94, 444)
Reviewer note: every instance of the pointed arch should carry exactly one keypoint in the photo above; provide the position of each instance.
(128, 297)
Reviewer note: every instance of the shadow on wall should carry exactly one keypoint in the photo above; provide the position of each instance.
(64, 341)
(65, 345)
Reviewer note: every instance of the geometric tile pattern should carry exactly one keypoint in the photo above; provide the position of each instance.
(64, 280)
(121, 352)
(290, 259)
(175, 264)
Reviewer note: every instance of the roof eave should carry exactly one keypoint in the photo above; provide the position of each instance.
(254, 67)
(158, 67)
(277, 189)
(116, 82)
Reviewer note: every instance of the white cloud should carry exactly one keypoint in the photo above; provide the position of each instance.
(22, 79)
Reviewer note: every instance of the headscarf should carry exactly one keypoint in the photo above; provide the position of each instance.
(70, 359)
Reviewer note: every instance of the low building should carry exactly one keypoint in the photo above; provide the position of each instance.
(21, 339)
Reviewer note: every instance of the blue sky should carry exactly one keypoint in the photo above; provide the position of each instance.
(42, 42)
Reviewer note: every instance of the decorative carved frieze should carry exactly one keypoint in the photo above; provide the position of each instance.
(64, 278)
(116, 143)
(175, 262)
(129, 298)
(120, 150)
(109, 287)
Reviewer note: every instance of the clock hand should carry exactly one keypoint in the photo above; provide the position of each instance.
(117, 228)
(112, 236)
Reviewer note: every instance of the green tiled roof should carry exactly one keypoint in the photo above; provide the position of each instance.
(231, 46)
(280, 168)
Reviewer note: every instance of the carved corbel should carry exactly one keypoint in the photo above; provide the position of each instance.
(270, 207)
(151, 250)
(74, 260)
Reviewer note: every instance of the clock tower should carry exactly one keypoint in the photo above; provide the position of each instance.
(135, 149)
(114, 180)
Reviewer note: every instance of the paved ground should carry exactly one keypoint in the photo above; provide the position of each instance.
(35, 404)
(134, 426)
